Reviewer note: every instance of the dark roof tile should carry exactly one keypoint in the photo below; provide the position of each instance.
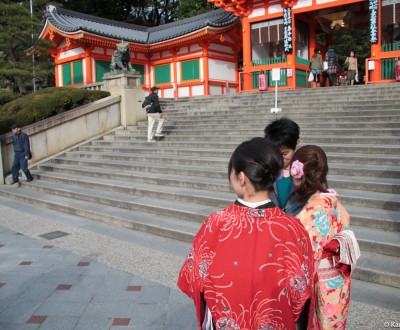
(73, 22)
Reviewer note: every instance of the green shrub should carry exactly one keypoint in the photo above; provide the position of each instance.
(6, 97)
(29, 109)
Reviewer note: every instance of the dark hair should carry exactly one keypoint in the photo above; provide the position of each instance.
(315, 171)
(316, 50)
(260, 160)
(283, 132)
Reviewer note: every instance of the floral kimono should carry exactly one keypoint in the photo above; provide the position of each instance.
(249, 268)
(323, 217)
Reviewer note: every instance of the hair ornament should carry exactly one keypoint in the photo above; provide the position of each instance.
(297, 169)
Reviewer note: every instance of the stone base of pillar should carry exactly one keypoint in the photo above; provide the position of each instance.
(127, 84)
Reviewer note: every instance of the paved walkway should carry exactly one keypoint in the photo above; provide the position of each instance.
(62, 272)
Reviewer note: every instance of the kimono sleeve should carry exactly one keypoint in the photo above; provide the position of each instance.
(194, 272)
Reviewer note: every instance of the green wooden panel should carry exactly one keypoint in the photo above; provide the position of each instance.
(301, 78)
(139, 68)
(66, 72)
(391, 47)
(163, 74)
(78, 72)
(102, 67)
(281, 82)
(270, 60)
(190, 70)
(301, 60)
(389, 68)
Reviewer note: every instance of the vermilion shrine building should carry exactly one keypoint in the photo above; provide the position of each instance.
(200, 55)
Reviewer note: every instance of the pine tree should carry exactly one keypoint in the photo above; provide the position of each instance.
(18, 40)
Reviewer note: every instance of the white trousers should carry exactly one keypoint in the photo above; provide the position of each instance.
(152, 117)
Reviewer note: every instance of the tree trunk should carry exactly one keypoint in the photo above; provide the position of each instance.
(20, 84)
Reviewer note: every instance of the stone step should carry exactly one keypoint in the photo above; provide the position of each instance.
(137, 176)
(377, 241)
(338, 148)
(231, 125)
(347, 158)
(157, 225)
(173, 192)
(239, 136)
(372, 267)
(201, 130)
(383, 201)
(361, 215)
(206, 166)
(194, 116)
(378, 268)
(382, 184)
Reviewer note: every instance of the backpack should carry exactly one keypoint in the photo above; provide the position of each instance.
(146, 105)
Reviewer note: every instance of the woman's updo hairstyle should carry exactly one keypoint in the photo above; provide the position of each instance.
(260, 160)
(315, 171)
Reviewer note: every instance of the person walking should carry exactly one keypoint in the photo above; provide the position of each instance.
(249, 266)
(327, 223)
(21, 154)
(352, 71)
(154, 114)
(316, 67)
(332, 59)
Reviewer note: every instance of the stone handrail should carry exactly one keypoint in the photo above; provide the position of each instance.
(53, 135)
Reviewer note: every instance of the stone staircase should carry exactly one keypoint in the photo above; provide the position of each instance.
(168, 188)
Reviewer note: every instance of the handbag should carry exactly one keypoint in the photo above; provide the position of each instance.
(325, 65)
(310, 77)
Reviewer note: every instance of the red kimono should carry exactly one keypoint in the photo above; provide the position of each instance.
(250, 268)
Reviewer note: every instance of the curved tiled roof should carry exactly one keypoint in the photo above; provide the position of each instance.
(69, 21)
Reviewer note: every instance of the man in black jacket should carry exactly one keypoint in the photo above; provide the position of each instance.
(154, 113)
(21, 154)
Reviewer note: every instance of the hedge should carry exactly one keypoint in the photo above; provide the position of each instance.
(29, 109)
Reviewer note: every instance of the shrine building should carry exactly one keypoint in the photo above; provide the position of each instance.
(195, 56)
(224, 51)
(283, 34)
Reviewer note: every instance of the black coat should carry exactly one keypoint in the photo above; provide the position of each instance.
(153, 98)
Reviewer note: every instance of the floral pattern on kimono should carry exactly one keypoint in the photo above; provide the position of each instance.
(251, 267)
(323, 217)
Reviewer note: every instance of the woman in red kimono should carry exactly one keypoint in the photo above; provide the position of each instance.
(249, 266)
(324, 218)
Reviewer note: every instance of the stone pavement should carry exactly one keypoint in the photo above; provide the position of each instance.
(59, 271)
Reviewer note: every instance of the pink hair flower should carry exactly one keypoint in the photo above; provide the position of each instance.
(297, 169)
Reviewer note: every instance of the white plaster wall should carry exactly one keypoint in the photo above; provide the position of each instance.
(232, 90)
(141, 56)
(257, 12)
(201, 63)
(325, 1)
(221, 70)
(183, 50)
(275, 9)
(59, 73)
(221, 48)
(183, 91)
(178, 72)
(219, 54)
(194, 48)
(72, 52)
(166, 54)
(168, 93)
(98, 50)
(110, 52)
(303, 3)
(215, 90)
(198, 90)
